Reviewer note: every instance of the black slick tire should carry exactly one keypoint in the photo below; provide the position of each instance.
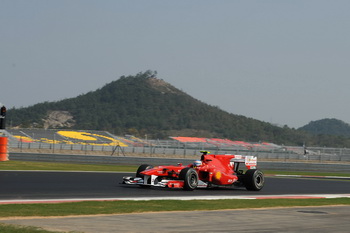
(190, 178)
(254, 180)
(142, 168)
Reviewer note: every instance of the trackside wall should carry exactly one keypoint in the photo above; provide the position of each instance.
(98, 159)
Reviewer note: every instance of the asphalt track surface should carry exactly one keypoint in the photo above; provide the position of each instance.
(18, 185)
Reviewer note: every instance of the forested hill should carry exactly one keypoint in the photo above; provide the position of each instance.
(143, 104)
(328, 127)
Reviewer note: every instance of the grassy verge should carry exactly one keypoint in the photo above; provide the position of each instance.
(123, 207)
(6, 228)
(41, 166)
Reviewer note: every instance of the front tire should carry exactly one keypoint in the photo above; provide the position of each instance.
(254, 180)
(190, 178)
(142, 168)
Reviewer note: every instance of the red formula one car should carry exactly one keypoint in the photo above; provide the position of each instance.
(210, 171)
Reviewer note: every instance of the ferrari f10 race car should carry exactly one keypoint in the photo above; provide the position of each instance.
(210, 171)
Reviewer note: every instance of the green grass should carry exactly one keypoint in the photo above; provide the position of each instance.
(122, 207)
(6, 228)
(41, 166)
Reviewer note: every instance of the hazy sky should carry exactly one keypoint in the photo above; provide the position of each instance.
(283, 62)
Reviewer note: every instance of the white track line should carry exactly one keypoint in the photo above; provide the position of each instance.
(310, 176)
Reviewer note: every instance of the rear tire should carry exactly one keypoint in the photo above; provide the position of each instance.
(190, 178)
(254, 180)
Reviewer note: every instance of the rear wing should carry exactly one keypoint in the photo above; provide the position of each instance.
(249, 161)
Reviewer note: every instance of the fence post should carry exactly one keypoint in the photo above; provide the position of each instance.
(21, 144)
(185, 150)
(53, 143)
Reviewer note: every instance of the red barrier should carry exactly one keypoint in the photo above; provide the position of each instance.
(3, 149)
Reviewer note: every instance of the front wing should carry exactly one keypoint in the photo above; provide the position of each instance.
(154, 181)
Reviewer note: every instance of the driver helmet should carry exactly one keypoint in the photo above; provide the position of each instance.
(197, 163)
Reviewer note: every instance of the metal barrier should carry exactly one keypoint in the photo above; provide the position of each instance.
(182, 151)
(86, 142)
